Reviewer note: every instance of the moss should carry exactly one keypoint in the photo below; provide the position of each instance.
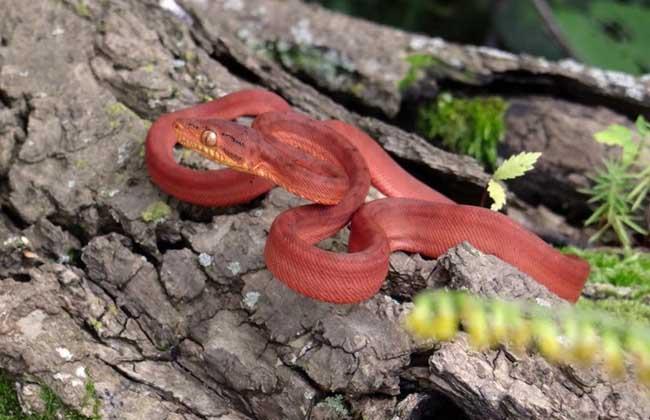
(112, 309)
(419, 63)
(617, 268)
(358, 89)
(471, 127)
(91, 399)
(9, 406)
(190, 57)
(626, 310)
(156, 212)
(82, 9)
(80, 164)
(96, 324)
(54, 409)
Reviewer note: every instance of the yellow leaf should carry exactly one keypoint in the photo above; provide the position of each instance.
(497, 194)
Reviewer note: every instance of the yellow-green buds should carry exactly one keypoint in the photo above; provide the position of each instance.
(612, 354)
(434, 316)
(547, 339)
(474, 321)
(564, 336)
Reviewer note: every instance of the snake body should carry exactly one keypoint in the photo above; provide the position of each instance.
(334, 164)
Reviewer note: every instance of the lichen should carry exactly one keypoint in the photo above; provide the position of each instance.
(471, 127)
(16, 242)
(310, 60)
(337, 404)
(115, 112)
(156, 212)
(325, 66)
(80, 164)
(116, 109)
(82, 9)
(205, 260)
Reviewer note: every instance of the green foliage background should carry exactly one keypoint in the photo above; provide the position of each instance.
(607, 33)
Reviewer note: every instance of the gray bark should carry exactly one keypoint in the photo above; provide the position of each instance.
(178, 318)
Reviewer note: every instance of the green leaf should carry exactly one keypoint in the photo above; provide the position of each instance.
(621, 233)
(618, 135)
(596, 215)
(497, 194)
(515, 166)
(643, 126)
(615, 134)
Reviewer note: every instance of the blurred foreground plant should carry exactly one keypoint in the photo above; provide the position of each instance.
(583, 337)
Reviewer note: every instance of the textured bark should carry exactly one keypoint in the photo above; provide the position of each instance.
(177, 317)
(362, 64)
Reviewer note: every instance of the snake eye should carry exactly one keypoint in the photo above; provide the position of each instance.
(209, 138)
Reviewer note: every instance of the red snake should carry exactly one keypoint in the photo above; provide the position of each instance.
(333, 164)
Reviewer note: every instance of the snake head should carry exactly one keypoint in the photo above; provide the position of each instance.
(222, 141)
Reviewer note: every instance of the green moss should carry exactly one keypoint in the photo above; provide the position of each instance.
(422, 65)
(55, 409)
(96, 324)
(617, 268)
(9, 406)
(81, 9)
(190, 57)
(471, 127)
(80, 164)
(419, 63)
(627, 310)
(156, 212)
(358, 89)
(91, 399)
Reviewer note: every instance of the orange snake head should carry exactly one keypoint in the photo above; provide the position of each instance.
(222, 141)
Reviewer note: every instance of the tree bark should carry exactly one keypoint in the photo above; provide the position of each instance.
(174, 316)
